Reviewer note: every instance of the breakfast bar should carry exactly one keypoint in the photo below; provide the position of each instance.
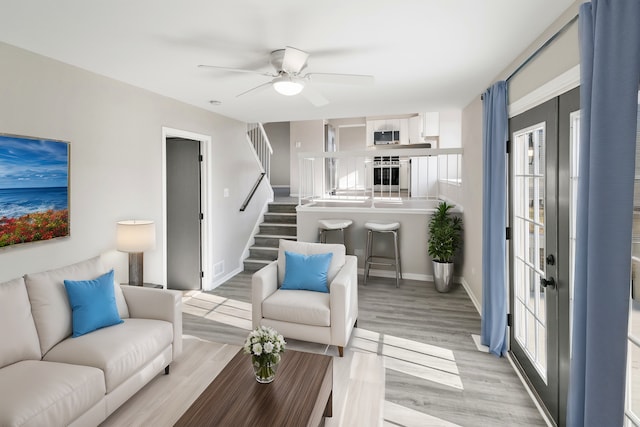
(412, 214)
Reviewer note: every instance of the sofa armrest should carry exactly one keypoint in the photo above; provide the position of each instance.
(264, 282)
(343, 300)
(157, 304)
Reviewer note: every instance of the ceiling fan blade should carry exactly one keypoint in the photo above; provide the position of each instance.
(260, 87)
(345, 79)
(314, 97)
(238, 70)
(294, 60)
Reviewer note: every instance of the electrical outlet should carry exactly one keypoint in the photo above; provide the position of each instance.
(298, 144)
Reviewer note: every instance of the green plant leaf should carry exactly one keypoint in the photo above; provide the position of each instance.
(444, 233)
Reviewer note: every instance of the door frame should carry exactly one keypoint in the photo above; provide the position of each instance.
(546, 390)
(205, 202)
(564, 82)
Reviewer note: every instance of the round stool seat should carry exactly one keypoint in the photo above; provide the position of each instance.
(335, 224)
(376, 226)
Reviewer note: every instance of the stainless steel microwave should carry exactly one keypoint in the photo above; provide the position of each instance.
(384, 137)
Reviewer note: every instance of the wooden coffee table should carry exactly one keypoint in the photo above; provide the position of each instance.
(301, 394)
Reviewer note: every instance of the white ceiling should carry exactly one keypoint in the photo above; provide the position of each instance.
(426, 55)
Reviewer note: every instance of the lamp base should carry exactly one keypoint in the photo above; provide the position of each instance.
(135, 269)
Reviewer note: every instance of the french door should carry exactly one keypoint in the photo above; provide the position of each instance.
(540, 253)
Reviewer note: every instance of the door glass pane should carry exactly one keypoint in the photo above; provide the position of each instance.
(529, 243)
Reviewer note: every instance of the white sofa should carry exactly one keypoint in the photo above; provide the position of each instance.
(326, 318)
(48, 378)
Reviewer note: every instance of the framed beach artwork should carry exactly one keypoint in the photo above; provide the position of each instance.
(34, 189)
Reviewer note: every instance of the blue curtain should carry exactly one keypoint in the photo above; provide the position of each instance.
(495, 125)
(610, 74)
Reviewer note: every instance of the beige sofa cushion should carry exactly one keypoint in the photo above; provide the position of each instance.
(17, 331)
(36, 393)
(50, 303)
(301, 307)
(337, 260)
(119, 350)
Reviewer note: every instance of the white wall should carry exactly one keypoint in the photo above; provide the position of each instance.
(472, 198)
(278, 134)
(450, 129)
(115, 131)
(310, 135)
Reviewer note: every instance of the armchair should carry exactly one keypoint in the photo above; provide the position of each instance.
(326, 318)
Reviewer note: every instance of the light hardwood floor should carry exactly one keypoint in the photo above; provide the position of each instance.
(434, 373)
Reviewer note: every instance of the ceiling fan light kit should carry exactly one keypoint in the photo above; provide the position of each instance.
(284, 85)
(288, 80)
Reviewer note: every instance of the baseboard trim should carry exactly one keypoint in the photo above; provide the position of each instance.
(472, 296)
(390, 274)
(224, 278)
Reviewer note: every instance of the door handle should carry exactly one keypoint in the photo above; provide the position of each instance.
(551, 283)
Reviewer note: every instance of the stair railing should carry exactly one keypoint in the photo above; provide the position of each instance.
(261, 146)
(252, 192)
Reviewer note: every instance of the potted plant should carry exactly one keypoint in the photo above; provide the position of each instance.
(445, 232)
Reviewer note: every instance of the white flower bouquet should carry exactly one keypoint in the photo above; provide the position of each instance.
(264, 344)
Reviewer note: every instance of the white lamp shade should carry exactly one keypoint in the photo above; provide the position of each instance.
(285, 86)
(135, 235)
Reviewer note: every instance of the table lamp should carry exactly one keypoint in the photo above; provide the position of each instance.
(135, 237)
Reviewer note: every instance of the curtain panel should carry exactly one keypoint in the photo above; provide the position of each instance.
(495, 125)
(610, 74)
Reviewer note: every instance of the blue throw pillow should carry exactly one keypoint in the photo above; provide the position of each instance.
(93, 304)
(306, 272)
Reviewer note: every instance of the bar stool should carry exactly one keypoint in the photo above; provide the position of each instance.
(327, 225)
(370, 258)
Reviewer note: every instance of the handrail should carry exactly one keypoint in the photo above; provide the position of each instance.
(253, 191)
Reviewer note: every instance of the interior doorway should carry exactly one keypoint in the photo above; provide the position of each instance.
(184, 214)
(186, 232)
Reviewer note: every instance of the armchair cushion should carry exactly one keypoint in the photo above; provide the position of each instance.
(306, 272)
(337, 260)
(300, 307)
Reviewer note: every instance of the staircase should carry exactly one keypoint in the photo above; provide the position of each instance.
(280, 222)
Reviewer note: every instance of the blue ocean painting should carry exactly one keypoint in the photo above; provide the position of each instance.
(33, 176)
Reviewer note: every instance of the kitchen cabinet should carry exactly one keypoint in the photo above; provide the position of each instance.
(401, 125)
(404, 131)
(415, 128)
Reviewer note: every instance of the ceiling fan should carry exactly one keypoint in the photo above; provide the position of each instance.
(288, 80)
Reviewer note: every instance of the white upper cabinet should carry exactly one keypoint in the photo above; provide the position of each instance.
(415, 128)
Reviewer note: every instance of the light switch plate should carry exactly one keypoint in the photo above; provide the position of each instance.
(226, 192)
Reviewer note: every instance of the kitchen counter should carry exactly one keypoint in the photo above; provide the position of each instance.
(400, 146)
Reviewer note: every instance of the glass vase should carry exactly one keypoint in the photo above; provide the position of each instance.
(265, 368)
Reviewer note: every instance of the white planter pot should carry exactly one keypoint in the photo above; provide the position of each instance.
(443, 275)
